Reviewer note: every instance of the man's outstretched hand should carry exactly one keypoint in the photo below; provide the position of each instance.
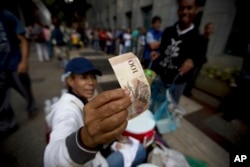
(105, 117)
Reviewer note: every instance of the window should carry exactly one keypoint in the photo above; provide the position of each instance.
(147, 15)
(129, 19)
(114, 21)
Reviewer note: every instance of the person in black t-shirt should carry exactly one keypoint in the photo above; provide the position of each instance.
(180, 50)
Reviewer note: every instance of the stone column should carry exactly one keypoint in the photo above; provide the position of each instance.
(137, 19)
(111, 14)
(222, 14)
(120, 12)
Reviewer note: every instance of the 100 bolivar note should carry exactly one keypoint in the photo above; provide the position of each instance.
(130, 75)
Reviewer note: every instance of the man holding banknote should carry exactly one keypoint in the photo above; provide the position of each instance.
(79, 128)
(179, 50)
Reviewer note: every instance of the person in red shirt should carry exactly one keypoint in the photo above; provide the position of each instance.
(102, 39)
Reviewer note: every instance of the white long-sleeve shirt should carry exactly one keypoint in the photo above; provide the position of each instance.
(64, 149)
(127, 38)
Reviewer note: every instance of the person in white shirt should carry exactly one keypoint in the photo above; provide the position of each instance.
(89, 33)
(79, 128)
(109, 41)
(127, 37)
(141, 44)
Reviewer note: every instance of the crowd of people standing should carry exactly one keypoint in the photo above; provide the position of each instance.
(179, 50)
(175, 54)
(118, 41)
(54, 40)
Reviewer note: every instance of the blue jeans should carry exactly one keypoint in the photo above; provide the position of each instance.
(177, 91)
(116, 158)
(109, 49)
(96, 45)
(126, 49)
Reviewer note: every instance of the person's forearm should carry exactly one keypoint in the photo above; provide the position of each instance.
(154, 45)
(23, 65)
(24, 49)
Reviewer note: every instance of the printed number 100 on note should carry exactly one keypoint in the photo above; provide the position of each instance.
(130, 75)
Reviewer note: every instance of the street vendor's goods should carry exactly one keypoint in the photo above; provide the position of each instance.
(142, 128)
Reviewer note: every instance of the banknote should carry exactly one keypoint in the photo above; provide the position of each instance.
(130, 75)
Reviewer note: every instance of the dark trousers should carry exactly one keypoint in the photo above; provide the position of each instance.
(145, 63)
(102, 44)
(21, 83)
(191, 82)
(109, 49)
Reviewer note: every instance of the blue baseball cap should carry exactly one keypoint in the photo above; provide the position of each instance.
(80, 65)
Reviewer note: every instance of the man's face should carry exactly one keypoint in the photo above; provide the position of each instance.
(186, 11)
(83, 84)
(157, 25)
(209, 29)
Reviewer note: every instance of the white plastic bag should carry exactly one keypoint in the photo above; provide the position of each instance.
(165, 157)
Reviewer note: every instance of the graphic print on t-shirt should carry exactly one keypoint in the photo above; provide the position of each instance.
(171, 52)
(4, 44)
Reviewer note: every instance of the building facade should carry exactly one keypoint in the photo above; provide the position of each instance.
(138, 13)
